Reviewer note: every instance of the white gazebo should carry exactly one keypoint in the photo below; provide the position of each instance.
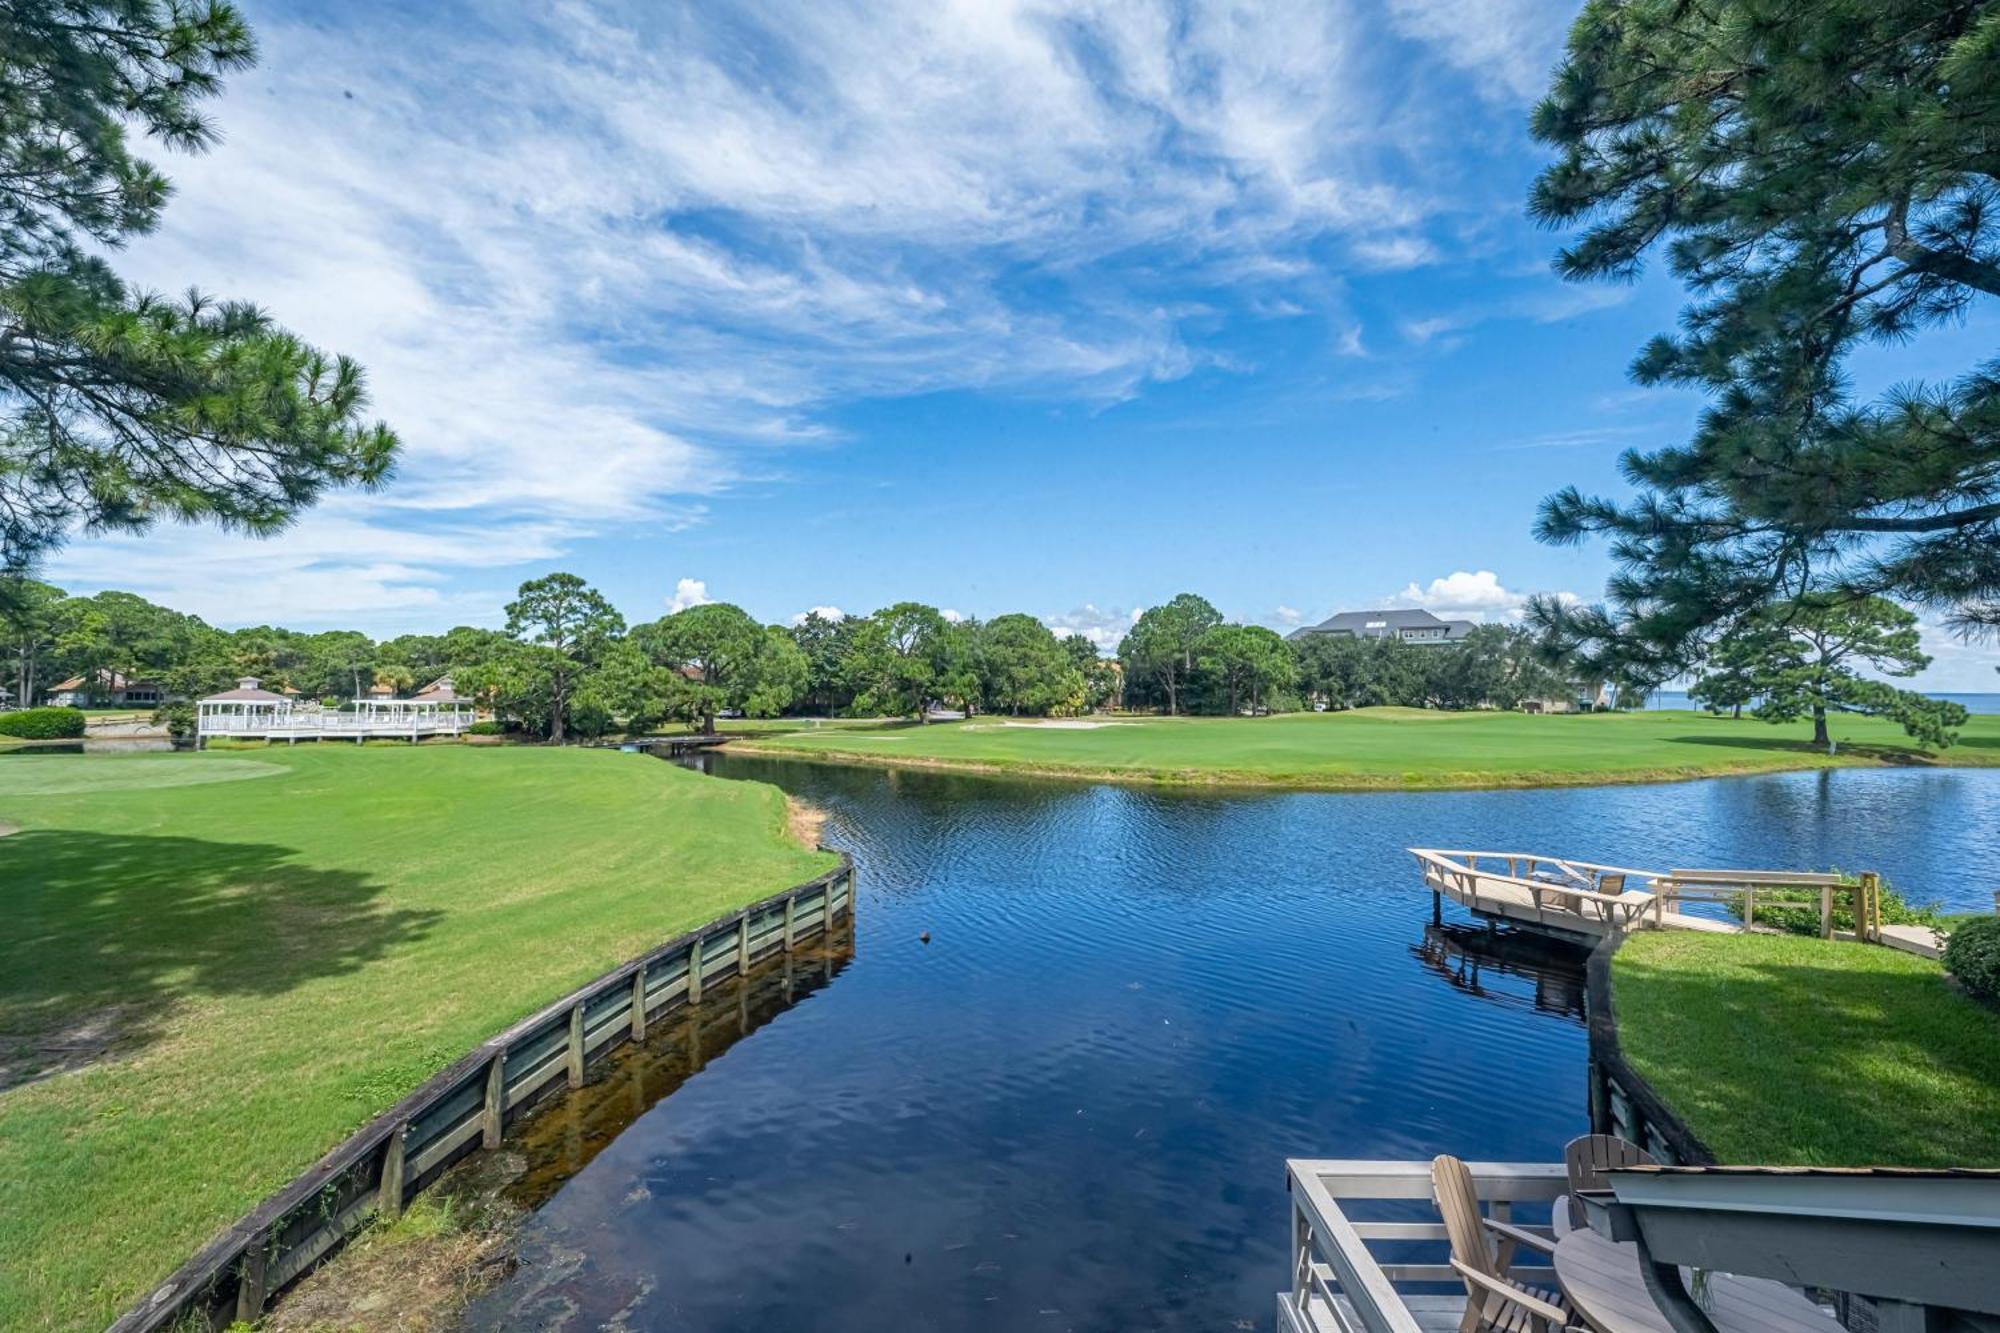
(247, 710)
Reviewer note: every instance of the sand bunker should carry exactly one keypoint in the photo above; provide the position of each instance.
(1064, 724)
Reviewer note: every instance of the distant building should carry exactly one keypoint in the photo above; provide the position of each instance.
(1410, 626)
(104, 688)
(439, 691)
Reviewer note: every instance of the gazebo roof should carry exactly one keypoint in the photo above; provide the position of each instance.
(246, 691)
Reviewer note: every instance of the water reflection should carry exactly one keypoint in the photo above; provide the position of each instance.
(557, 1286)
(100, 745)
(1507, 967)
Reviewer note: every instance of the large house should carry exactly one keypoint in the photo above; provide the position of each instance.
(105, 688)
(1410, 626)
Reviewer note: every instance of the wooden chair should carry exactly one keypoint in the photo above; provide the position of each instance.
(1585, 1161)
(1482, 1253)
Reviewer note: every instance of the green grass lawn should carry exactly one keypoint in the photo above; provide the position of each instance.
(1790, 1050)
(1382, 747)
(236, 961)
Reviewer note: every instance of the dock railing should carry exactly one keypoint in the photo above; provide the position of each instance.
(1369, 1252)
(1740, 887)
(1555, 891)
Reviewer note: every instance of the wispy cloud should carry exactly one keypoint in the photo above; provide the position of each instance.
(604, 261)
(1510, 44)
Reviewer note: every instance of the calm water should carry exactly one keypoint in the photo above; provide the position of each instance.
(1070, 1109)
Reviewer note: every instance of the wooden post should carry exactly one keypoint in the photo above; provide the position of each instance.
(1437, 908)
(1871, 887)
(1826, 911)
(743, 946)
(389, 1199)
(250, 1281)
(791, 914)
(576, 1045)
(639, 1004)
(694, 971)
(493, 1116)
(1749, 906)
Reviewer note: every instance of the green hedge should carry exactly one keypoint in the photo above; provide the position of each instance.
(1972, 954)
(486, 729)
(43, 724)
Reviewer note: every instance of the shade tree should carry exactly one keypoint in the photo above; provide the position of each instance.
(1159, 652)
(1804, 657)
(561, 626)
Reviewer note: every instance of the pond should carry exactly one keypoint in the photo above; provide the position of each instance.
(1083, 1026)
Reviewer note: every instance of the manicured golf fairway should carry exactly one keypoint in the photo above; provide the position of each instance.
(222, 964)
(1384, 747)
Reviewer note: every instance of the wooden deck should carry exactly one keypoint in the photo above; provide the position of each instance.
(1343, 1209)
(1579, 901)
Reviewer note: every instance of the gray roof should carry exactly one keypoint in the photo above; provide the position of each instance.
(1380, 624)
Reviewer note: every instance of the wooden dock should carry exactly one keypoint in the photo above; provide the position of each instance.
(1577, 901)
(1582, 902)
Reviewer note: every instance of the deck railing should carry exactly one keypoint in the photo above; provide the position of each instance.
(304, 722)
(1552, 887)
(1343, 1210)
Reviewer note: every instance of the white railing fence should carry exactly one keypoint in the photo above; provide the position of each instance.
(304, 722)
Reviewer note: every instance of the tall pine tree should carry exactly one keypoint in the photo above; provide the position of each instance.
(119, 407)
(1820, 177)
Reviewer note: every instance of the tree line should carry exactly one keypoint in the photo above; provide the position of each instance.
(568, 664)
(1184, 657)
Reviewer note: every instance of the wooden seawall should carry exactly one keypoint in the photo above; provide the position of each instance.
(470, 1105)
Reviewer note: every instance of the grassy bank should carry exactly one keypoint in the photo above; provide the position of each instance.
(1380, 748)
(217, 966)
(1790, 1050)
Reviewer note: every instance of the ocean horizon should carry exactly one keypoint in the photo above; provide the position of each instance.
(1980, 702)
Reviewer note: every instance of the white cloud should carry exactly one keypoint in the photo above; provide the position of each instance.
(687, 593)
(335, 568)
(1957, 664)
(953, 616)
(1468, 594)
(1286, 615)
(1103, 628)
(1395, 252)
(823, 612)
(619, 253)
(1512, 44)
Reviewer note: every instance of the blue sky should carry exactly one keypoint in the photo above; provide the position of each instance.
(1000, 306)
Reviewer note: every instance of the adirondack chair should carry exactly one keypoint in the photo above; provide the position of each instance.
(1482, 1253)
(1586, 1159)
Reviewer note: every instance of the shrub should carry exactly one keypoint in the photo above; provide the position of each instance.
(1797, 910)
(178, 719)
(1972, 954)
(486, 729)
(43, 724)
